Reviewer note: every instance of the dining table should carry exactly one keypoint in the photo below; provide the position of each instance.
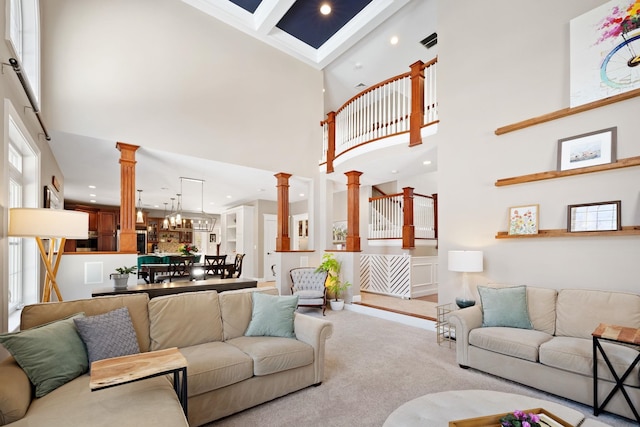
(154, 270)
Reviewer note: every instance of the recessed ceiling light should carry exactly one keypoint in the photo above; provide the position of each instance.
(92, 195)
(92, 186)
(426, 162)
(394, 171)
(325, 9)
(301, 194)
(92, 201)
(228, 197)
(394, 40)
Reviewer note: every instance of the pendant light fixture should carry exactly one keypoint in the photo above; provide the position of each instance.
(172, 217)
(139, 215)
(179, 210)
(165, 221)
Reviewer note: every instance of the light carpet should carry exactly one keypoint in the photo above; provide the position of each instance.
(372, 366)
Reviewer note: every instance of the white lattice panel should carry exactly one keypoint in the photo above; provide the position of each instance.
(386, 274)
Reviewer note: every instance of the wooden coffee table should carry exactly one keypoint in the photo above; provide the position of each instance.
(135, 367)
(619, 334)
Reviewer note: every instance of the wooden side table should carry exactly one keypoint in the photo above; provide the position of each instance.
(135, 367)
(620, 334)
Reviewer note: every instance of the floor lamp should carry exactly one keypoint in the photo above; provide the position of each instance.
(52, 224)
(465, 262)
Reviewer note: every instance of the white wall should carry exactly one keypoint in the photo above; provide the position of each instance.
(499, 65)
(165, 75)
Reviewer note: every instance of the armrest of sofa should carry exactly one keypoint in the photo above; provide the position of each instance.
(464, 321)
(15, 391)
(314, 332)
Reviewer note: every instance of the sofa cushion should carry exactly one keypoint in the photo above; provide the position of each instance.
(108, 335)
(576, 355)
(215, 365)
(274, 354)
(51, 354)
(38, 314)
(236, 307)
(272, 315)
(523, 344)
(505, 307)
(15, 391)
(172, 319)
(151, 402)
(541, 303)
(580, 311)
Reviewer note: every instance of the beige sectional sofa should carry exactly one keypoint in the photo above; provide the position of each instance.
(227, 371)
(556, 354)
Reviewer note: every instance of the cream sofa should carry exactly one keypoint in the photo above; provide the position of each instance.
(556, 355)
(227, 372)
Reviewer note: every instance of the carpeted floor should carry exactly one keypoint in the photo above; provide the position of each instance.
(372, 367)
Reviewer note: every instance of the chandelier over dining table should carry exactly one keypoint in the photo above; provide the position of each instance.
(178, 218)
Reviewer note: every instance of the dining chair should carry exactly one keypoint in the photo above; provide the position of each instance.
(179, 267)
(236, 270)
(214, 265)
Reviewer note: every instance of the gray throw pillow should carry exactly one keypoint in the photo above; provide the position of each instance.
(51, 354)
(108, 335)
(272, 315)
(505, 307)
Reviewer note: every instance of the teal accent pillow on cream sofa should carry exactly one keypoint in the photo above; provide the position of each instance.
(51, 354)
(505, 307)
(272, 315)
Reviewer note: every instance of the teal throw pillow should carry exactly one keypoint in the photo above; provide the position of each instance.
(108, 335)
(505, 307)
(272, 316)
(51, 354)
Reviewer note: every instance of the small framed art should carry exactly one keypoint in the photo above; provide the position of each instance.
(589, 149)
(602, 216)
(523, 220)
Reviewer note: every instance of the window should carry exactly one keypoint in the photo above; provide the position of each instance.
(23, 166)
(23, 35)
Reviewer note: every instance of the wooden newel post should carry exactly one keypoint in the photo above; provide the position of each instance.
(283, 243)
(331, 140)
(416, 119)
(128, 239)
(353, 211)
(408, 227)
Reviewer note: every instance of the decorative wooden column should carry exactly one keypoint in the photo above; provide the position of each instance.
(283, 243)
(408, 227)
(353, 211)
(331, 140)
(128, 240)
(417, 103)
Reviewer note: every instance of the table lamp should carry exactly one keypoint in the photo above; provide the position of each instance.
(52, 224)
(465, 262)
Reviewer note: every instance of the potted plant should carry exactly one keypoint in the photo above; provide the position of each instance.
(334, 285)
(121, 278)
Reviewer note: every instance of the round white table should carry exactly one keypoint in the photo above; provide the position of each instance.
(437, 409)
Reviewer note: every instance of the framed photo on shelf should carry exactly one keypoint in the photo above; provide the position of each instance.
(589, 149)
(602, 216)
(523, 220)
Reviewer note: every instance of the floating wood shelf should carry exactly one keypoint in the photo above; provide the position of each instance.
(631, 230)
(622, 163)
(567, 112)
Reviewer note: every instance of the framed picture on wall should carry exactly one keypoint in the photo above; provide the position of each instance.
(51, 200)
(589, 149)
(523, 220)
(212, 238)
(602, 216)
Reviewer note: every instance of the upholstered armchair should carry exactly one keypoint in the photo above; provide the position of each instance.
(309, 286)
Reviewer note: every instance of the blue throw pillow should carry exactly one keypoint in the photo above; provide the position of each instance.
(272, 316)
(505, 307)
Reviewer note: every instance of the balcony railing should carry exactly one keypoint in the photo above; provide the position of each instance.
(401, 104)
(407, 216)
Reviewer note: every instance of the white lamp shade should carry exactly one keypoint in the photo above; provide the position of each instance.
(48, 223)
(465, 261)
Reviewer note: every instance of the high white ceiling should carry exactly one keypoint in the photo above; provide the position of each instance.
(350, 64)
